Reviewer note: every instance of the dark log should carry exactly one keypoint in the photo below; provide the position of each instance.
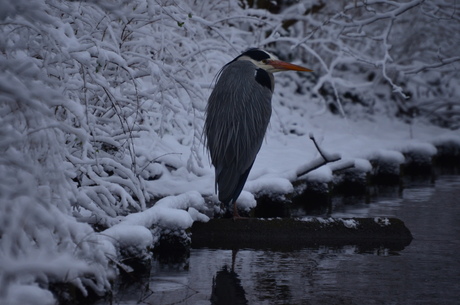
(288, 234)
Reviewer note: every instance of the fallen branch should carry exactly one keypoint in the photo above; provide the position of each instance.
(324, 158)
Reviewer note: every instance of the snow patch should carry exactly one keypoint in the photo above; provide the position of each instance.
(321, 220)
(388, 156)
(246, 201)
(425, 149)
(18, 294)
(363, 165)
(197, 216)
(447, 140)
(269, 185)
(382, 221)
(137, 230)
(125, 235)
(322, 174)
(350, 223)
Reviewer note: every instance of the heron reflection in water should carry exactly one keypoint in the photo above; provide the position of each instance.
(226, 286)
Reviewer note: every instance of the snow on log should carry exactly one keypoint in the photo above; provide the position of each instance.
(287, 233)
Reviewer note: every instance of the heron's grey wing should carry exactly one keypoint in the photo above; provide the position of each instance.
(238, 114)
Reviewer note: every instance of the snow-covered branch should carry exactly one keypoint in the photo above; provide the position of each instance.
(442, 62)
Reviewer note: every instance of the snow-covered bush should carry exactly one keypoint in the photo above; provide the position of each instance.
(40, 241)
(372, 57)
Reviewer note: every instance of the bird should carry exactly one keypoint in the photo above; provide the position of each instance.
(237, 116)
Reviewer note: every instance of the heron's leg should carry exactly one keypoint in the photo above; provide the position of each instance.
(234, 252)
(235, 212)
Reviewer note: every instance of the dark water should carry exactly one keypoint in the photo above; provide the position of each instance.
(425, 272)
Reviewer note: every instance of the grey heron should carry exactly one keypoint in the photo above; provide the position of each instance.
(237, 116)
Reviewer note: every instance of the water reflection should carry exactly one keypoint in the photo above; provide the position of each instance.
(427, 271)
(227, 289)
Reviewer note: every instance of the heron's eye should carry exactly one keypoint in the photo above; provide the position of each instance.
(265, 61)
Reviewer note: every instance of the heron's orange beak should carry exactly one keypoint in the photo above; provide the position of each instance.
(282, 65)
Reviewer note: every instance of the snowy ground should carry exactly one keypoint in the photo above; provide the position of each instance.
(281, 155)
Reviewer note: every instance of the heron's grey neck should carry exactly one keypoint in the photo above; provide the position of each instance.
(249, 71)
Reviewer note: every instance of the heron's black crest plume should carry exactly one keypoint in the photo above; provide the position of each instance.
(255, 54)
(252, 53)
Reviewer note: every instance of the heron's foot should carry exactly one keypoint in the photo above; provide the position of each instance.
(237, 216)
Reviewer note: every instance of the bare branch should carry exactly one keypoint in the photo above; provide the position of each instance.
(318, 162)
(442, 62)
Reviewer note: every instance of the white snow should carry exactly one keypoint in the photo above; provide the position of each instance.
(135, 230)
(453, 139)
(246, 201)
(425, 149)
(350, 223)
(125, 235)
(362, 165)
(382, 221)
(388, 156)
(28, 294)
(269, 183)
